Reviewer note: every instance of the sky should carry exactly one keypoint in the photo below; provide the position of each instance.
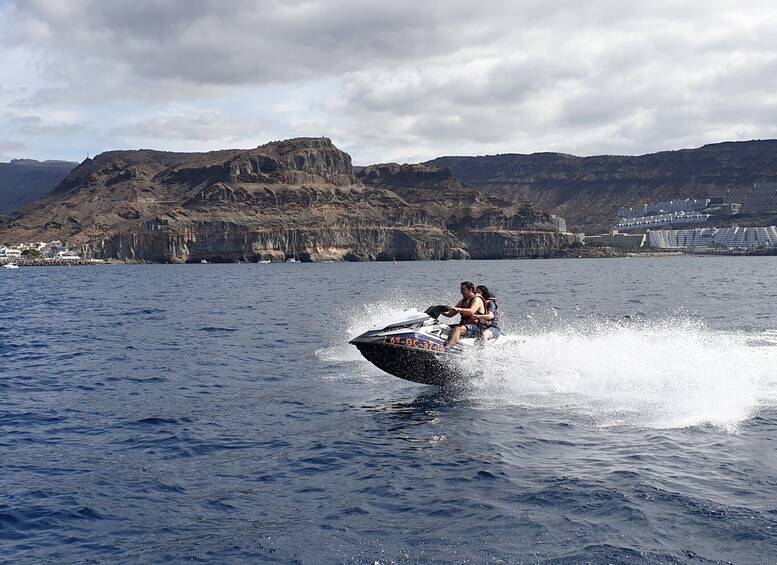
(392, 81)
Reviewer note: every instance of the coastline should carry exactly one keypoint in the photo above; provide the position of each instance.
(594, 253)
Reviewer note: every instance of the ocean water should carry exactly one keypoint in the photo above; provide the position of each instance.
(216, 414)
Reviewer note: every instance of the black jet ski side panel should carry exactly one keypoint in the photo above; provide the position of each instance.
(412, 363)
(411, 346)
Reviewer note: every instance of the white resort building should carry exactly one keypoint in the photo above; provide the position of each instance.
(620, 240)
(559, 223)
(667, 207)
(10, 253)
(661, 220)
(712, 239)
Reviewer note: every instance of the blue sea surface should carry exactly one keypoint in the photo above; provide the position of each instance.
(216, 414)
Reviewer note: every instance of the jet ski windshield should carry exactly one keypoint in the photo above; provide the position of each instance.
(408, 319)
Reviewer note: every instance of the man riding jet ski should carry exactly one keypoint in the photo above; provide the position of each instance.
(471, 306)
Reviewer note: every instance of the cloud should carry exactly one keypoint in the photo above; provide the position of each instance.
(12, 147)
(35, 125)
(190, 126)
(245, 43)
(387, 80)
(598, 81)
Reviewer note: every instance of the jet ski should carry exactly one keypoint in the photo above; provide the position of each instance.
(411, 345)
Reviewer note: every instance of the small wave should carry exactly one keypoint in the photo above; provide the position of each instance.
(153, 422)
(767, 338)
(143, 312)
(25, 420)
(214, 329)
(21, 521)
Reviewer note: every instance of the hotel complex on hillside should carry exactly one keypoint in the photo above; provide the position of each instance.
(670, 225)
(715, 239)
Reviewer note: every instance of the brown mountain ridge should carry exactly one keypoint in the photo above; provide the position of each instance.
(588, 191)
(285, 198)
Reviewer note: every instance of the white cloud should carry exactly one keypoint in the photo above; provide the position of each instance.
(195, 127)
(387, 81)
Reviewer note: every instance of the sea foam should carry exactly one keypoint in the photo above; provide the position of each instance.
(667, 373)
(664, 373)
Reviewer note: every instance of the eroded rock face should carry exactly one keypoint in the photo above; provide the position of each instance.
(295, 197)
(511, 244)
(222, 242)
(437, 192)
(487, 226)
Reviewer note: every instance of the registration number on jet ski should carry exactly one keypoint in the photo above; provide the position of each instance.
(416, 343)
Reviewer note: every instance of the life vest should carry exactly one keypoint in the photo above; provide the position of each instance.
(495, 320)
(466, 304)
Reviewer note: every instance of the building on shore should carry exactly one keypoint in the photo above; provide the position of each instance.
(559, 223)
(667, 207)
(51, 251)
(673, 213)
(10, 253)
(715, 239)
(619, 240)
(661, 220)
(762, 199)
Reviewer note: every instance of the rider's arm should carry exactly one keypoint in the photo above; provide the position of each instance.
(453, 311)
(488, 315)
(477, 303)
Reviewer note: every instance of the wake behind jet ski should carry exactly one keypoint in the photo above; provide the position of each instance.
(412, 346)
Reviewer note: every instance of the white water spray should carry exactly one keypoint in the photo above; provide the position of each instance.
(667, 373)
(369, 316)
(662, 374)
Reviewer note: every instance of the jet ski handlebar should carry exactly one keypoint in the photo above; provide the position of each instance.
(436, 311)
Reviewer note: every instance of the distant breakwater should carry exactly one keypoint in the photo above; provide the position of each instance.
(50, 262)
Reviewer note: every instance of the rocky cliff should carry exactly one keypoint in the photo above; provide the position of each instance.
(488, 227)
(294, 197)
(588, 191)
